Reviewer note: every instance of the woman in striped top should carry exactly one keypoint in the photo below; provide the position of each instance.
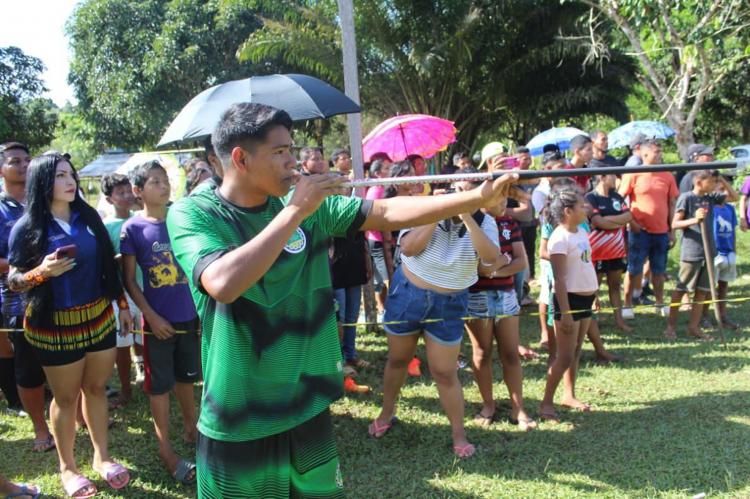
(429, 294)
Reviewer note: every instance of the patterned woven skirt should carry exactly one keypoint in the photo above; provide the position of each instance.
(75, 328)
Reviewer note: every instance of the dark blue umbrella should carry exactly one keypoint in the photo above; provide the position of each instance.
(302, 96)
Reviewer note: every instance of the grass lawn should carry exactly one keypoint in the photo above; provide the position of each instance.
(673, 421)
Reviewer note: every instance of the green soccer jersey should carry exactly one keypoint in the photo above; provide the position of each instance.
(271, 359)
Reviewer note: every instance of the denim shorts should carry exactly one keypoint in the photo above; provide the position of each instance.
(413, 309)
(652, 246)
(493, 304)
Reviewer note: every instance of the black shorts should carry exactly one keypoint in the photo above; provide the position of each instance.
(579, 304)
(176, 359)
(64, 357)
(300, 462)
(604, 266)
(29, 373)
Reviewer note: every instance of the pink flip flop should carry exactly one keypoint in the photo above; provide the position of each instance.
(77, 484)
(111, 471)
(382, 429)
(464, 451)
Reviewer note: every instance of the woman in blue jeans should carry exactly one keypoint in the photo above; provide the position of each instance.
(429, 295)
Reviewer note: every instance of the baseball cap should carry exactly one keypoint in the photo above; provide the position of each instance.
(490, 151)
(696, 150)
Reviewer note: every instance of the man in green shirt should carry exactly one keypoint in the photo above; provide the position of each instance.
(257, 258)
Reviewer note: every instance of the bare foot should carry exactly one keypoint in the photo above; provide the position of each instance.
(576, 404)
(698, 334)
(670, 333)
(380, 426)
(548, 413)
(623, 327)
(606, 357)
(527, 353)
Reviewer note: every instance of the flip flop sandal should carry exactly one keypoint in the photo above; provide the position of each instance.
(111, 471)
(24, 490)
(184, 468)
(44, 444)
(526, 424)
(484, 421)
(75, 487)
(550, 417)
(376, 428)
(464, 451)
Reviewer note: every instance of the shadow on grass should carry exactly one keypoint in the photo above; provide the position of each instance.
(680, 445)
(131, 442)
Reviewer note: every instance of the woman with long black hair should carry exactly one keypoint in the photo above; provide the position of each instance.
(61, 257)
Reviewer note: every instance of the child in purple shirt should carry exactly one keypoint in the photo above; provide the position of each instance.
(171, 342)
(744, 206)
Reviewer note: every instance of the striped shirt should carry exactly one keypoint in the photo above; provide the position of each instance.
(449, 260)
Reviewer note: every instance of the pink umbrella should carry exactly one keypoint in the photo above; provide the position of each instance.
(401, 136)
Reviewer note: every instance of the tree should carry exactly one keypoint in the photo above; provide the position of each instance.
(477, 63)
(136, 63)
(684, 50)
(24, 115)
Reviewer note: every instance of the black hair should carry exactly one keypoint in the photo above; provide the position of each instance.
(400, 169)
(704, 174)
(379, 155)
(139, 174)
(34, 225)
(459, 156)
(12, 145)
(523, 150)
(244, 125)
(111, 181)
(595, 133)
(579, 142)
(551, 156)
(306, 152)
(560, 198)
(378, 165)
(411, 158)
(338, 152)
(550, 148)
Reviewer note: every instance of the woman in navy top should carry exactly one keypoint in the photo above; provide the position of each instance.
(61, 257)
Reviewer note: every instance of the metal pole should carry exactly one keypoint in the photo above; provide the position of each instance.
(711, 274)
(354, 124)
(351, 84)
(534, 174)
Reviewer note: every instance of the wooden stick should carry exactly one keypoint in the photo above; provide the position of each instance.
(534, 174)
(711, 275)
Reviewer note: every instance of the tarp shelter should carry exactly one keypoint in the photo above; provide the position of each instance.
(104, 164)
(170, 161)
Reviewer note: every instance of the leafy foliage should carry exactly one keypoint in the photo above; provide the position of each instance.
(478, 63)
(24, 114)
(136, 63)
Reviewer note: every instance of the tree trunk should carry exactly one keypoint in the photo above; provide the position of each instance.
(684, 137)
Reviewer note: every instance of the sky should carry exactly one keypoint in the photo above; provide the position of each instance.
(38, 28)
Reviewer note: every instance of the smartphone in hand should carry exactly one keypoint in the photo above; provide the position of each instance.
(68, 251)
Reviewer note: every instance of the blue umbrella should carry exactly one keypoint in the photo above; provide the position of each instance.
(303, 97)
(560, 136)
(621, 136)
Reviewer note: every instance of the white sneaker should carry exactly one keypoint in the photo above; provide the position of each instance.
(663, 310)
(381, 317)
(627, 313)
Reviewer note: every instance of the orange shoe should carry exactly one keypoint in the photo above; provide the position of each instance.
(413, 368)
(351, 386)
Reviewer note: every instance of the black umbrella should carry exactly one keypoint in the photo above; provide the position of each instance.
(302, 96)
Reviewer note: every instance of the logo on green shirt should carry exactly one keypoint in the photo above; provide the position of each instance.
(297, 242)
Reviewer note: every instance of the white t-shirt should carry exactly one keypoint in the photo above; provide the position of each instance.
(449, 261)
(580, 276)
